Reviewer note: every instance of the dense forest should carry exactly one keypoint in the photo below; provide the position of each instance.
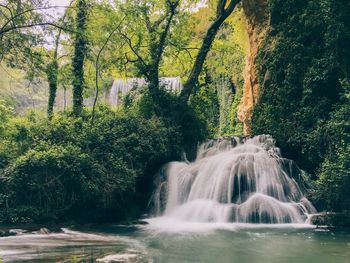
(250, 67)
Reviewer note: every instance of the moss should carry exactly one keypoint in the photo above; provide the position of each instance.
(304, 105)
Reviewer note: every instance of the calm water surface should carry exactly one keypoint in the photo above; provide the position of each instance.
(170, 241)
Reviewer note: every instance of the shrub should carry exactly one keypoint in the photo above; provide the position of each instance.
(71, 169)
(332, 188)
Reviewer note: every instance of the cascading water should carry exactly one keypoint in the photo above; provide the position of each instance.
(121, 87)
(233, 180)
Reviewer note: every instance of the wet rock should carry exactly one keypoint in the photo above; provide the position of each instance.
(16, 232)
(331, 219)
(4, 233)
(44, 230)
(118, 258)
(142, 222)
(12, 232)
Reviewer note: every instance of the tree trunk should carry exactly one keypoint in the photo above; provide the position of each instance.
(64, 97)
(222, 14)
(52, 79)
(80, 47)
(153, 78)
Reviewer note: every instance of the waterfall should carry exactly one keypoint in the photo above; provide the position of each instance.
(233, 180)
(121, 87)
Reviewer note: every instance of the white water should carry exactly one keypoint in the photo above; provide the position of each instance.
(232, 180)
(121, 87)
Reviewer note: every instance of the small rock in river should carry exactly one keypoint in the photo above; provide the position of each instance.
(118, 258)
(16, 232)
(44, 230)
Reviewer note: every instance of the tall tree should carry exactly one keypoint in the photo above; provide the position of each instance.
(160, 20)
(97, 68)
(223, 10)
(157, 21)
(80, 52)
(52, 71)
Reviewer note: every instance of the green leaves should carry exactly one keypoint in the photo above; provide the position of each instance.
(67, 169)
(303, 53)
(305, 107)
(332, 186)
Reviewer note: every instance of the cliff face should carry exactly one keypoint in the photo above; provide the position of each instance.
(257, 25)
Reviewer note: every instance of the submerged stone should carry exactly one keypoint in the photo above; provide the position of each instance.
(118, 258)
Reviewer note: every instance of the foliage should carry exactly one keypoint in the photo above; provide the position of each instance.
(80, 52)
(305, 102)
(66, 169)
(206, 104)
(16, 46)
(331, 190)
(306, 55)
(221, 82)
(177, 116)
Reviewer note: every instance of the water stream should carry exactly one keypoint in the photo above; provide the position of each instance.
(121, 87)
(233, 180)
(206, 244)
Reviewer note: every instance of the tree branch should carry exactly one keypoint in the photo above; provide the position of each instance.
(13, 17)
(221, 15)
(139, 58)
(97, 67)
(6, 30)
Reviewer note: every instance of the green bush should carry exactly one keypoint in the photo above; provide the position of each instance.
(304, 105)
(331, 190)
(183, 121)
(71, 169)
(307, 56)
(58, 180)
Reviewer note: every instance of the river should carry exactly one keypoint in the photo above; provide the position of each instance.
(184, 242)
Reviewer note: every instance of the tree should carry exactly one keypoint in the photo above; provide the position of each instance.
(157, 20)
(17, 18)
(52, 72)
(16, 46)
(23, 46)
(80, 51)
(97, 68)
(223, 10)
(148, 50)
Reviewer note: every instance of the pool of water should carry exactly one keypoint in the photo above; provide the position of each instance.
(169, 241)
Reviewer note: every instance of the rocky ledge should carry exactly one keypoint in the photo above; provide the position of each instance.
(331, 220)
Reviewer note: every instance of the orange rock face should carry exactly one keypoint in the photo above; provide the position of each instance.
(257, 25)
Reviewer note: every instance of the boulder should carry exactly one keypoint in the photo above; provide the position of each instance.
(118, 258)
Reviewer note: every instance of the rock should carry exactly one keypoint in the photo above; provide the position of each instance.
(142, 222)
(118, 258)
(257, 16)
(144, 216)
(44, 230)
(16, 232)
(3, 233)
(12, 232)
(331, 219)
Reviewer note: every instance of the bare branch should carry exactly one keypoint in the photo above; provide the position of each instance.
(163, 36)
(97, 66)
(9, 29)
(132, 48)
(13, 17)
